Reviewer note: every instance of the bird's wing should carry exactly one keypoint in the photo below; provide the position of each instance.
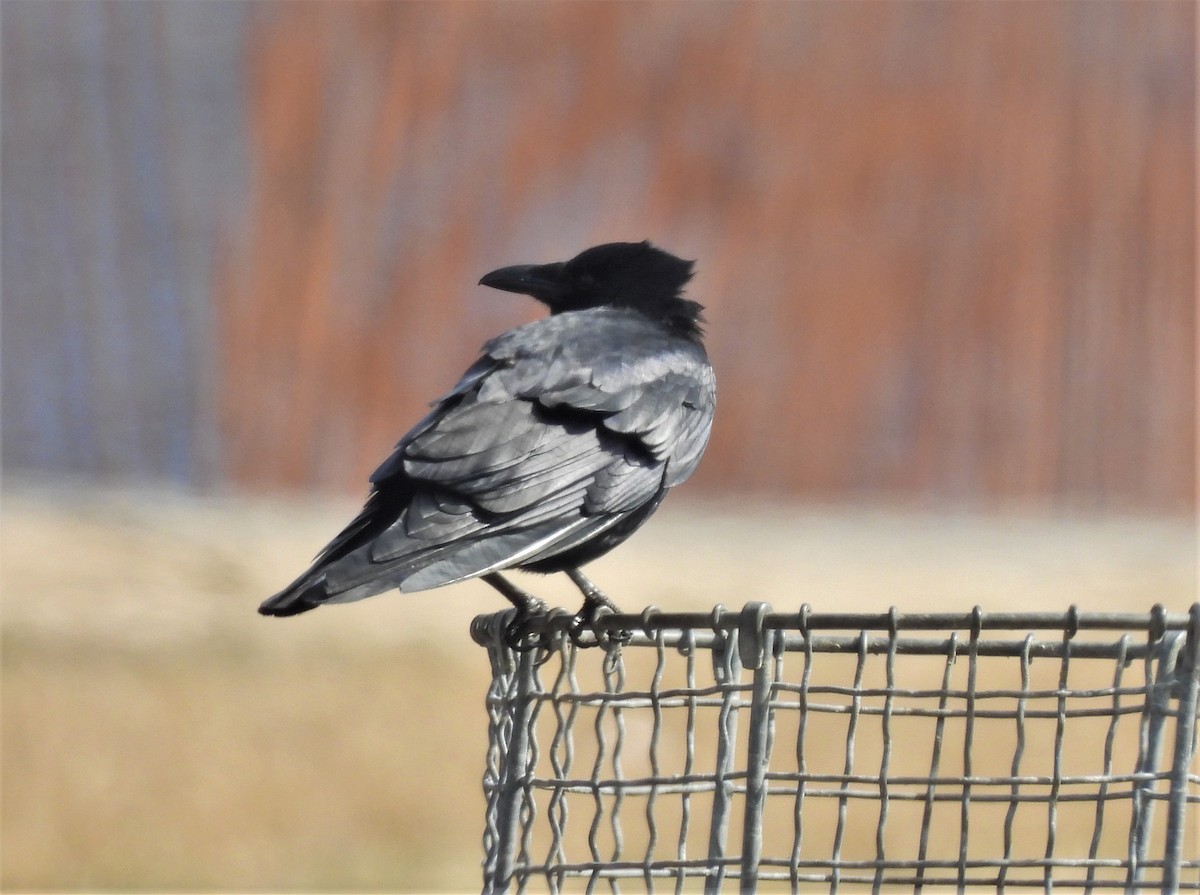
(601, 396)
(563, 428)
(654, 392)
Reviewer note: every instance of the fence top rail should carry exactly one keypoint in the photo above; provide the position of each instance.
(652, 621)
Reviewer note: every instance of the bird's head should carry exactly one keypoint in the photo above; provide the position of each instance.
(634, 275)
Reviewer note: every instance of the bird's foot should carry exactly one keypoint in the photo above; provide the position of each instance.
(527, 630)
(595, 604)
(584, 633)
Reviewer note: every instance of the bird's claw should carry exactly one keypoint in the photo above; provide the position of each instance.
(584, 623)
(527, 631)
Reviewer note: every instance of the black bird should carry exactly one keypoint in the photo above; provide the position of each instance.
(552, 449)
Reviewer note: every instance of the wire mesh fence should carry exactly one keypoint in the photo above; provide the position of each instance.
(798, 751)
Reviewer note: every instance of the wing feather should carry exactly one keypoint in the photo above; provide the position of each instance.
(564, 429)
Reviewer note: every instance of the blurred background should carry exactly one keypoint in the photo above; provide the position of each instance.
(947, 252)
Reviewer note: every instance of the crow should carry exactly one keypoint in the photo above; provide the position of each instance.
(553, 448)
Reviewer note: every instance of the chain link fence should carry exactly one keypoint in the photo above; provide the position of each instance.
(796, 751)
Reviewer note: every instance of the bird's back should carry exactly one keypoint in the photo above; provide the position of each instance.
(553, 447)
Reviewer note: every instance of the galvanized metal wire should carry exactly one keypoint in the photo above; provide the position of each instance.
(804, 751)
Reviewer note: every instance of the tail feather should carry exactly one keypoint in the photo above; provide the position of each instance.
(349, 577)
(355, 576)
(301, 596)
(384, 506)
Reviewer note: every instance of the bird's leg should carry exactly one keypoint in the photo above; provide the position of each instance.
(593, 597)
(526, 603)
(528, 607)
(594, 600)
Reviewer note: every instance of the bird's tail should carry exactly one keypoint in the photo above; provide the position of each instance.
(300, 596)
(309, 591)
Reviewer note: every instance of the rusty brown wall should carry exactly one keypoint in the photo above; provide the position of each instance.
(947, 249)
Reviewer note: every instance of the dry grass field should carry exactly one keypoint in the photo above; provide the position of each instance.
(159, 735)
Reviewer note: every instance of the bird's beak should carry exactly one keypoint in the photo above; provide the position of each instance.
(542, 281)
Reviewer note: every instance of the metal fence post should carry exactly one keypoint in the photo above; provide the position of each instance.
(756, 648)
(1187, 682)
(1164, 651)
(514, 757)
(726, 669)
